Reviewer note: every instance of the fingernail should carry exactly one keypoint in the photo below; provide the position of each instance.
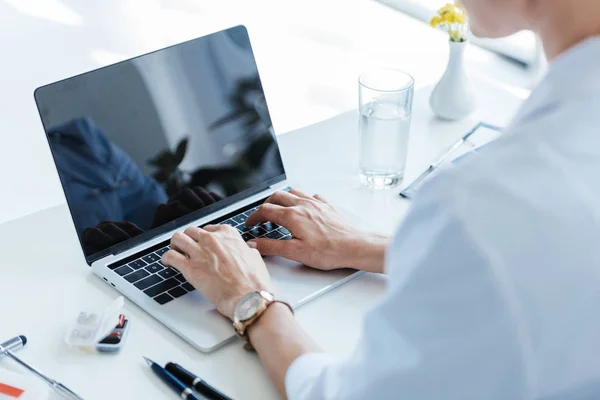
(252, 244)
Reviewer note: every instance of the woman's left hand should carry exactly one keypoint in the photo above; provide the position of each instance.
(217, 262)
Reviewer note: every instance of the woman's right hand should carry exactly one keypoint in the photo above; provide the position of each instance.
(322, 238)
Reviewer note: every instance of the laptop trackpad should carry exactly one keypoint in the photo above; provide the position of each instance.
(299, 284)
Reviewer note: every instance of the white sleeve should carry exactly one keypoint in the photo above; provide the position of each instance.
(444, 330)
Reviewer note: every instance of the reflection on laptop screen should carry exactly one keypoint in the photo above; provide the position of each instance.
(147, 141)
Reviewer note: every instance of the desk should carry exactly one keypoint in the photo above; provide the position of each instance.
(45, 280)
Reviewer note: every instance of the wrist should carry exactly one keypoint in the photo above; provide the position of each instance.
(270, 319)
(368, 253)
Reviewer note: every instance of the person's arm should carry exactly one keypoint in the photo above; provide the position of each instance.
(279, 340)
(448, 327)
(444, 330)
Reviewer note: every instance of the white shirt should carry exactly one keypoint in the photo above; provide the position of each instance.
(495, 274)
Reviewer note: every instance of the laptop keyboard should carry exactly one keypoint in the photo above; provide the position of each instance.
(163, 284)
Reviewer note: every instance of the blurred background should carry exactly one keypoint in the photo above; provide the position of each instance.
(309, 55)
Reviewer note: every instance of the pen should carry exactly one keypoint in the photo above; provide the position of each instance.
(174, 383)
(196, 382)
(58, 387)
(13, 344)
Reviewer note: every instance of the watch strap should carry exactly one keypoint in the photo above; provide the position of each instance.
(241, 329)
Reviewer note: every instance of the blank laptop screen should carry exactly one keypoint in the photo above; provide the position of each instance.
(145, 144)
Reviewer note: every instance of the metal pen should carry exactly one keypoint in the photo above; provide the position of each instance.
(14, 344)
(58, 387)
(199, 385)
(179, 387)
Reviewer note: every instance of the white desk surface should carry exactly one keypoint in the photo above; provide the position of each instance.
(45, 280)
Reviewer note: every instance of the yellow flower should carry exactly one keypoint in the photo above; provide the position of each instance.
(435, 21)
(448, 8)
(449, 18)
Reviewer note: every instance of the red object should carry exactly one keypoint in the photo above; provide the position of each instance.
(121, 321)
(116, 334)
(11, 391)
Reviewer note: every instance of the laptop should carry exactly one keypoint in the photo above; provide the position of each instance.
(152, 145)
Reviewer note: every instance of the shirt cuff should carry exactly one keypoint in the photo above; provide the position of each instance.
(302, 375)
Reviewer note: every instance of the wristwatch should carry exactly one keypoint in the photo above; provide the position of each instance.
(249, 309)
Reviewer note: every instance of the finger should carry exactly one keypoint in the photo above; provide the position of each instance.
(174, 259)
(321, 198)
(216, 228)
(267, 212)
(183, 243)
(191, 200)
(284, 199)
(271, 247)
(195, 233)
(206, 198)
(300, 194)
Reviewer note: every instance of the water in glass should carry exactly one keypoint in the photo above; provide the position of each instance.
(384, 131)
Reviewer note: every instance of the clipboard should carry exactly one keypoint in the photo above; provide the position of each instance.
(472, 141)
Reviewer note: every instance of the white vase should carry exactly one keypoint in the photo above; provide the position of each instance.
(454, 97)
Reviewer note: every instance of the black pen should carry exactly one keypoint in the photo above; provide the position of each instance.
(194, 381)
(174, 383)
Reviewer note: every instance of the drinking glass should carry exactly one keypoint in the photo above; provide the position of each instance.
(386, 98)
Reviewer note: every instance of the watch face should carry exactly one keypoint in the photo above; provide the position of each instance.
(248, 306)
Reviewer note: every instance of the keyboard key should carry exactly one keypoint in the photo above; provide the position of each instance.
(137, 264)
(180, 278)
(162, 287)
(147, 282)
(188, 286)
(124, 270)
(150, 258)
(247, 236)
(162, 251)
(268, 226)
(137, 275)
(257, 231)
(243, 228)
(168, 273)
(230, 223)
(287, 237)
(284, 231)
(274, 235)
(163, 299)
(153, 268)
(177, 292)
(240, 219)
(252, 211)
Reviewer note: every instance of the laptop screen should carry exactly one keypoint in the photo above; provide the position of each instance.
(159, 140)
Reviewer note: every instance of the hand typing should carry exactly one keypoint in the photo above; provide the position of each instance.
(217, 262)
(322, 238)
